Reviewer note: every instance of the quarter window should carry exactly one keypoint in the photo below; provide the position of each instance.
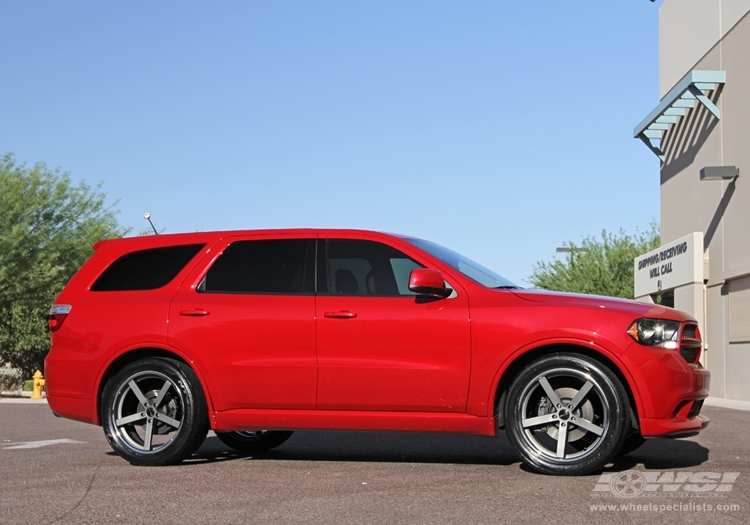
(145, 269)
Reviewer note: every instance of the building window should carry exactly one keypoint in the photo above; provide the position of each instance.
(739, 310)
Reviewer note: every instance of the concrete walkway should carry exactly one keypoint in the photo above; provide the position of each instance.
(727, 403)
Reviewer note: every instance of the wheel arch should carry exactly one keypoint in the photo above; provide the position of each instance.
(136, 354)
(522, 360)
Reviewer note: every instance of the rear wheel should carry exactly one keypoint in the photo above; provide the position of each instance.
(254, 441)
(566, 414)
(154, 412)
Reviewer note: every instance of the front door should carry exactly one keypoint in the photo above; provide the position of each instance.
(381, 347)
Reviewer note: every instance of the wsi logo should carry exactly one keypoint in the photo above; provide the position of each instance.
(631, 483)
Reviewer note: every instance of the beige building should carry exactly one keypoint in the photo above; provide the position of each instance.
(700, 129)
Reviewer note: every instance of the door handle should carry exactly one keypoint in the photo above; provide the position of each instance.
(341, 314)
(195, 312)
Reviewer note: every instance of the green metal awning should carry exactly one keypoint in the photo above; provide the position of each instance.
(695, 86)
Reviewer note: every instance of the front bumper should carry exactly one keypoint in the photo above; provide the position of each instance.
(670, 390)
(673, 427)
(684, 417)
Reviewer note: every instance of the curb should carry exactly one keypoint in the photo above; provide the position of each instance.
(20, 398)
(727, 403)
(22, 401)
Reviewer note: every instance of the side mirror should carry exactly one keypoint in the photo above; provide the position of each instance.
(425, 281)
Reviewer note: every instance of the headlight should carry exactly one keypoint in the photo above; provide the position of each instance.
(655, 332)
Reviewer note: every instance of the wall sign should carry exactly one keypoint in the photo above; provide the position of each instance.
(674, 264)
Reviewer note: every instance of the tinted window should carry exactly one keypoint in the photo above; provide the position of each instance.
(349, 267)
(268, 266)
(145, 269)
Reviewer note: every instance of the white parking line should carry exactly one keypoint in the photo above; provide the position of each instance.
(40, 444)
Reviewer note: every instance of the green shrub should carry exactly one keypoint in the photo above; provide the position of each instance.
(28, 385)
(11, 379)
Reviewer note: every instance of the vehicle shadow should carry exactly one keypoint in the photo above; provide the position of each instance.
(384, 447)
(662, 454)
(656, 454)
(395, 447)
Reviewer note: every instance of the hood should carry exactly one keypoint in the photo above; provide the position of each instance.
(605, 303)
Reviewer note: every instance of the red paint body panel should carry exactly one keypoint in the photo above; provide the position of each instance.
(80, 409)
(398, 354)
(354, 420)
(260, 349)
(323, 361)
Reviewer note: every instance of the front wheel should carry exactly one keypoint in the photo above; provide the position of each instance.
(566, 414)
(154, 413)
(254, 441)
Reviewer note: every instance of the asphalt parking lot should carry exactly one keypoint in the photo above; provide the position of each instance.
(60, 471)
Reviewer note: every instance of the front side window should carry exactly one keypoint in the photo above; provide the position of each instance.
(278, 266)
(354, 267)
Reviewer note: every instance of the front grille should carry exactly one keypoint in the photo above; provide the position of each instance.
(690, 343)
(690, 354)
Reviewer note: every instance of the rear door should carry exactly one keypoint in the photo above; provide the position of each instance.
(248, 318)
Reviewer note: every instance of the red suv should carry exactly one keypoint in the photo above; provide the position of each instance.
(255, 334)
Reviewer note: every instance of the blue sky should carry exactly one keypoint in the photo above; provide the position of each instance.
(499, 129)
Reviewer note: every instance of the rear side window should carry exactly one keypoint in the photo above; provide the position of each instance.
(279, 266)
(145, 269)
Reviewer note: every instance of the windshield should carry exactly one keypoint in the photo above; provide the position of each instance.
(466, 266)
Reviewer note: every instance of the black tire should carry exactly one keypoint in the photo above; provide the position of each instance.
(257, 441)
(566, 414)
(154, 412)
(632, 443)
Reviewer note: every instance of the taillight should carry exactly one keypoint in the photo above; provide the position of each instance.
(57, 315)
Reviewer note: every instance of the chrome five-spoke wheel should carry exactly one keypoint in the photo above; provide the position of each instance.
(154, 412)
(566, 414)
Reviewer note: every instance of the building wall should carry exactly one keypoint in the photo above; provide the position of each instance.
(711, 35)
(688, 29)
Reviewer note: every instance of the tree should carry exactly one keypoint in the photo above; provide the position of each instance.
(47, 229)
(598, 266)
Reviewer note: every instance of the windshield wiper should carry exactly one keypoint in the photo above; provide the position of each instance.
(506, 287)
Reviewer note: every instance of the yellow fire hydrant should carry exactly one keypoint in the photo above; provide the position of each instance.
(39, 383)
